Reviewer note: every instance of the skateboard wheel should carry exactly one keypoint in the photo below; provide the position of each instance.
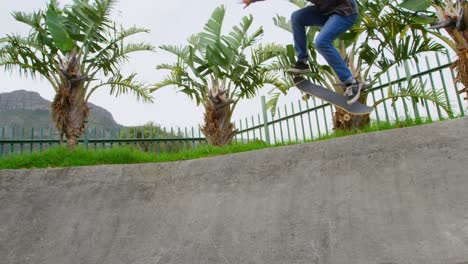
(347, 117)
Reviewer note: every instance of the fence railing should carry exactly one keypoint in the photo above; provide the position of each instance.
(149, 139)
(299, 121)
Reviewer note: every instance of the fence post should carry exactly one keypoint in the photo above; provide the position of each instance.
(40, 139)
(22, 138)
(265, 120)
(12, 146)
(410, 86)
(1, 145)
(86, 141)
(31, 146)
(443, 83)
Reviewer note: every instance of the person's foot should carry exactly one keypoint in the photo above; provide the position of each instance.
(301, 67)
(353, 91)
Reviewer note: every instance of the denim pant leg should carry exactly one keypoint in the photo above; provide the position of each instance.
(333, 28)
(308, 16)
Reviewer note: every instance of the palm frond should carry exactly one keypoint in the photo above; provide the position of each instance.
(238, 33)
(276, 80)
(266, 52)
(134, 47)
(38, 32)
(125, 33)
(93, 20)
(33, 20)
(283, 23)
(167, 66)
(56, 24)
(179, 51)
(104, 7)
(281, 84)
(272, 102)
(184, 83)
(418, 93)
(238, 38)
(252, 38)
(169, 80)
(188, 63)
(213, 27)
(25, 55)
(123, 85)
(211, 55)
(109, 58)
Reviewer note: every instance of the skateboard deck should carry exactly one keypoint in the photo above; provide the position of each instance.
(331, 97)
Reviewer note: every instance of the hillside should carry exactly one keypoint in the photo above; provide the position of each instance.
(26, 109)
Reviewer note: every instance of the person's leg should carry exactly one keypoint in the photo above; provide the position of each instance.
(333, 28)
(300, 19)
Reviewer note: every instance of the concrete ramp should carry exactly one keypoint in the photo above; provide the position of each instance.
(394, 197)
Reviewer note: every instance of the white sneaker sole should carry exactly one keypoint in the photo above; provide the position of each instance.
(355, 98)
(297, 71)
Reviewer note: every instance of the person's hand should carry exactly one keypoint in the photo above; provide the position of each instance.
(246, 3)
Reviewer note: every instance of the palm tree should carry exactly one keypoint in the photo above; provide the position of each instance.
(214, 70)
(73, 47)
(452, 16)
(379, 40)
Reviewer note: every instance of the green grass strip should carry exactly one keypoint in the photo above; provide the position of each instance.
(62, 157)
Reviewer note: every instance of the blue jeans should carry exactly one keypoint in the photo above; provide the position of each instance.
(333, 26)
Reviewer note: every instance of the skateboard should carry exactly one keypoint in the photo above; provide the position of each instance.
(331, 97)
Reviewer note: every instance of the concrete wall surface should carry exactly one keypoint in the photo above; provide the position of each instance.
(393, 197)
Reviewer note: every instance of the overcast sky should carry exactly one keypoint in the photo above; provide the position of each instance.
(170, 22)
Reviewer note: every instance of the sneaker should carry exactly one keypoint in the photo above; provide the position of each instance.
(353, 91)
(301, 66)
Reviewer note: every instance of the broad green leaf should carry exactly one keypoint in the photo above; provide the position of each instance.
(424, 20)
(291, 53)
(213, 27)
(60, 36)
(415, 5)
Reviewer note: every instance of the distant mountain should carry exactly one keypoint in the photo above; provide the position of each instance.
(26, 109)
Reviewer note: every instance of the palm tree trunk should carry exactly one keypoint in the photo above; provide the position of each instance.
(70, 112)
(461, 67)
(218, 129)
(344, 121)
(459, 34)
(69, 109)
